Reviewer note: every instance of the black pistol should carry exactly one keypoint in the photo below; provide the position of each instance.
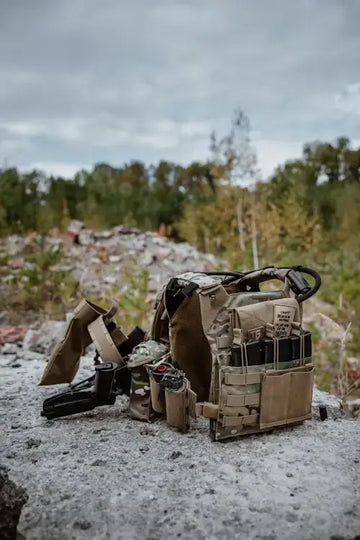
(76, 400)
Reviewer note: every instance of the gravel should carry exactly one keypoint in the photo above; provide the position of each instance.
(100, 475)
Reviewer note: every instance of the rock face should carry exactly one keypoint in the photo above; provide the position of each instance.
(102, 475)
(45, 338)
(99, 260)
(12, 499)
(334, 408)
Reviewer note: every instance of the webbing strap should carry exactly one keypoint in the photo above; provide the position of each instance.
(87, 311)
(242, 400)
(229, 421)
(207, 409)
(242, 379)
(223, 342)
(104, 342)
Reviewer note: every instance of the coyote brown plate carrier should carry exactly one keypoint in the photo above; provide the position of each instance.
(244, 351)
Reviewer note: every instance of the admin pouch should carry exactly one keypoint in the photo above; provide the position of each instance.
(219, 347)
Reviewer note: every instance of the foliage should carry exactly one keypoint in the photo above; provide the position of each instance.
(307, 213)
(40, 286)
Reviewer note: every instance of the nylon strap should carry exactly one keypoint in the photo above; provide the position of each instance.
(240, 379)
(242, 400)
(207, 409)
(229, 421)
(104, 341)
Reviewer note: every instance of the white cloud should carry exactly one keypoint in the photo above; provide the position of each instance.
(349, 99)
(65, 170)
(272, 153)
(142, 80)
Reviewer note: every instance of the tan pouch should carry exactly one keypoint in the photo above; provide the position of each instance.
(157, 396)
(286, 396)
(180, 405)
(176, 414)
(63, 363)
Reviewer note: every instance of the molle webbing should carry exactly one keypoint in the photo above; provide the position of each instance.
(252, 402)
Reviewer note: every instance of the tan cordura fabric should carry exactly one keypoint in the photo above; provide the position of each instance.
(157, 396)
(190, 349)
(64, 360)
(250, 399)
(106, 342)
(276, 314)
(180, 405)
(286, 396)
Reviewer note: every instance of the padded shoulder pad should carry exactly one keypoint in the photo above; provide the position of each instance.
(203, 281)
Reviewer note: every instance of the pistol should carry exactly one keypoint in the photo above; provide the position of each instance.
(75, 400)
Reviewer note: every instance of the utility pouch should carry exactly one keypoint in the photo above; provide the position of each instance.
(139, 393)
(141, 356)
(286, 396)
(176, 413)
(180, 405)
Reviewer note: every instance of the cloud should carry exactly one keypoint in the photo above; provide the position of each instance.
(65, 170)
(349, 100)
(84, 81)
(272, 152)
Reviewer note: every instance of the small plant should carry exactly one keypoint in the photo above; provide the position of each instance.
(39, 286)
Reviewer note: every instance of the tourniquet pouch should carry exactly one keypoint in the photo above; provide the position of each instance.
(157, 396)
(286, 396)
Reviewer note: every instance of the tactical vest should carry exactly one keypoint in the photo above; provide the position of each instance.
(218, 347)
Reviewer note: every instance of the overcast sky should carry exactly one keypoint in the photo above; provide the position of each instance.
(84, 81)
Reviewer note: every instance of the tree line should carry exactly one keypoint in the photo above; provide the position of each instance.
(311, 201)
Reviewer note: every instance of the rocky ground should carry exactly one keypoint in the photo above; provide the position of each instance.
(98, 260)
(100, 475)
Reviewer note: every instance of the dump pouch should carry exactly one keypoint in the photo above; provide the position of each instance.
(64, 360)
